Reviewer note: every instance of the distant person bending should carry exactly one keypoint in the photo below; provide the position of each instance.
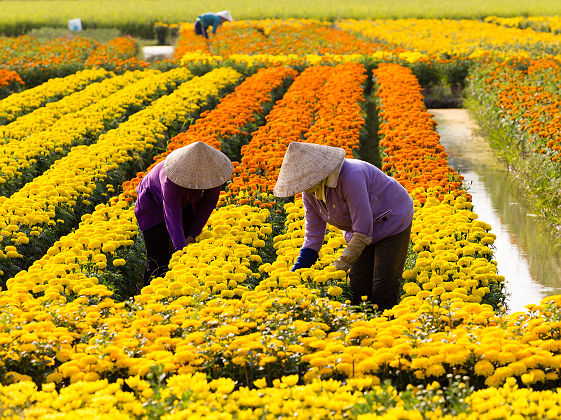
(211, 19)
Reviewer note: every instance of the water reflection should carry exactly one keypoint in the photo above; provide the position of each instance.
(527, 256)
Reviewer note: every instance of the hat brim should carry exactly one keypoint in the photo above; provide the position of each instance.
(198, 166)
(305, 166)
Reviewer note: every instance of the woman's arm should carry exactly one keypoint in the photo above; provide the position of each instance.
(203, 211)
(173, 213)
(314, 225)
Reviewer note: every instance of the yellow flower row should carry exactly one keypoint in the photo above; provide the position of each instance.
(322, 276)
(219, 398)
(73, 308)
(70, 267)
(265, 60)
(538, 23)
(453, 37)
(43, 118)
(453, 258)
(107, 103)
(21, 103)
(75, 178)
(218, 263)
(426, 341)
(453, 255)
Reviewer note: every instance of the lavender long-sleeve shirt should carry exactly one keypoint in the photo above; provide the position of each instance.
(365, 200)
(160, 200)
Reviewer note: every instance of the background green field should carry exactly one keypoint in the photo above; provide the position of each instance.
(136, 17)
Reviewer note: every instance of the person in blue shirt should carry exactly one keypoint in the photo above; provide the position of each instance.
(211, 19)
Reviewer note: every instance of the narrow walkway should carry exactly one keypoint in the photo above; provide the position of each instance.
(528, 258)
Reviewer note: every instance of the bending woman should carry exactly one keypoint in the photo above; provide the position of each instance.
(374, 211)
(175, 200)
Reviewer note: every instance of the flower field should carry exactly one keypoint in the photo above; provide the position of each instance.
(230, 332)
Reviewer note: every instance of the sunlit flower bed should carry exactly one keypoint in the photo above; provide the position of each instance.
(209, 314)
(525, 96)
(21, 103)
(87, 174)
(118, 54)
(454, 37)
(37, 61)
(30, 144)
(277, 38)
(230, 331)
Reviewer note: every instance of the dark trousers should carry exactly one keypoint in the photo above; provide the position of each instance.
(377, 272)
(200, 29)
(159, 246)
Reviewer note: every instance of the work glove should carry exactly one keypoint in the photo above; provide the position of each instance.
(306, 259)
(353, 250)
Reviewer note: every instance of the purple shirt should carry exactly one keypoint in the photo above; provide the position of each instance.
(160, 200)
(365, 200)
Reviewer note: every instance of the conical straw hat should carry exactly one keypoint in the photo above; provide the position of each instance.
(198, 166)
(304, 165)
(226, 15)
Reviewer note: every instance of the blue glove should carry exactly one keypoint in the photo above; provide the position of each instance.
(306, 259)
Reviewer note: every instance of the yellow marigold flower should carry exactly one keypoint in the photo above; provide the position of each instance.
(411, 288)
(260, 383)
(22, 239)
(119, 262)
(108, 247)
(290, 380)
(335, 291)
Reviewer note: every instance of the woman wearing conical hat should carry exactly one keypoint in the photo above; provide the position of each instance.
(206, 20)
(374, 211)
(175, 200)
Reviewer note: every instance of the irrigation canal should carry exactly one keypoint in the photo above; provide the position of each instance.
(526, 255)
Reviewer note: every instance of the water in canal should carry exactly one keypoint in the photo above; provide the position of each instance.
(528, 257)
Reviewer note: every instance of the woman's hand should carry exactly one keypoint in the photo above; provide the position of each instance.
(306, 259)
(353, 250)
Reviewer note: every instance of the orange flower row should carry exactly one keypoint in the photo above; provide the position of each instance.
(288, 121)
(188, 41)
(9, 78)
(338, 118)
(277, 37)
(119, 54)
(412, 153)
(322, 106)
(526, 96)
(230, 117)
(37, 61)
(449, 242)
